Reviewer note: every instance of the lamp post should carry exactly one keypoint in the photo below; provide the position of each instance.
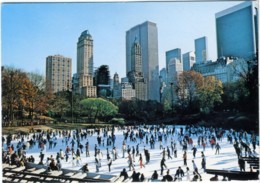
(72, 100)
(70, 97)
(172, 94)
(11, 117)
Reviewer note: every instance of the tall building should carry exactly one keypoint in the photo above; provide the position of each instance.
(116, 87)
(85, 54)
(237, 31)
(84, 76)
(127, 91)
(147, 36)
(135, 76)
(163, 75)
(201, 50)
(175, 68)
(58, 73)
(173, 64)
(175, 53)
(188, 60)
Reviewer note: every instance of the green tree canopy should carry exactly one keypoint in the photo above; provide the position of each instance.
(95, 108)
(210, 93)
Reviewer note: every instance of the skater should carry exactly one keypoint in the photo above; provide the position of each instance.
(167, 177)
(97, 164)
(109, 163)
(124, 174)
(203, 163)
(185, 158)
(188, 173)
(163, 165)
(194, 166)
(154, 176)
(241, 164)
(163, 153)
(194, 149)
(168, 153)
(84, 169)
(141, 161)
(130, 162)
(179, 174)
(217, 148)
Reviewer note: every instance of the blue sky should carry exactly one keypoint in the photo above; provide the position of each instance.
(32, 31)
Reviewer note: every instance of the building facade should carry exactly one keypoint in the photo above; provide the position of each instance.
(85, 72)
(127, 91)
(174, 64)
(201, 50)
(147, 36)
(237, 31)
(225, 69)
(116, 87)
(188, 60)
(135, 76)
(172, 54)
(163, 75)
(58, 73)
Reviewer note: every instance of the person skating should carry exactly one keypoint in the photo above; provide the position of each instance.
(194, 149)
(97, 164)
(195, 168)
(85, 168)
(155, 175)
(142, 178)
(188, 173)
(203, 163)
(167, 177)
(109, 163)
(185, 158)
(217, 148)
(124, 174)
(163, 153)
(179, 174)
(147, 156)
(130, 162)
(241, 164)
(135, 176)
(168, 153)
(163, 165)
(141, 161)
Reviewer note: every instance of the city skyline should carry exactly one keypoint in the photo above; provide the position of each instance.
(33, 31)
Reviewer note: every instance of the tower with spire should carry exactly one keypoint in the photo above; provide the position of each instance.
(84, 76)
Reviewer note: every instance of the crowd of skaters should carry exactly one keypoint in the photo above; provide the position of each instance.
(172, 142)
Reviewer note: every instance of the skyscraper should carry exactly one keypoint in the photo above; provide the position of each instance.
(175, 53)
(58, 73)
(84, 76)
(173, 64)
(201, 50)
(237, 31)
(135, 75)
(147, 36)
(85, 54)
(175, 67)
(116, 87)
(188, 60)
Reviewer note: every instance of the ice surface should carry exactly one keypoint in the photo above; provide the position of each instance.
(226, 160)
